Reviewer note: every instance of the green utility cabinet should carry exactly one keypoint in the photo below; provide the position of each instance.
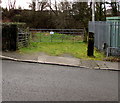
(114, 31)
(113, 19)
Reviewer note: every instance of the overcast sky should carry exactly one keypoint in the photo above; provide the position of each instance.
(25, 3)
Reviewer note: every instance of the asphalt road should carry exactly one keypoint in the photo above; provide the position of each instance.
(39, 82)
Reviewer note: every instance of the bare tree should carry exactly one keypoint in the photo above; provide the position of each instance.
(100, 11)
(33, 5)
(45, 4)
(41, 5)
(11, 4)
(56, 7)
(114, 8)
(114, 4)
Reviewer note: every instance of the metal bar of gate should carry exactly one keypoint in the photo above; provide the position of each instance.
(68, 32)
(56, 29)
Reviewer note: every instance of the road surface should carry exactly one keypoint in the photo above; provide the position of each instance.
(40, 82)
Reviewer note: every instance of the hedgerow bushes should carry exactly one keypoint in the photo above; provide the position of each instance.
(9, 35)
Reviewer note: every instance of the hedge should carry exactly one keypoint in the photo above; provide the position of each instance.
(9, 35)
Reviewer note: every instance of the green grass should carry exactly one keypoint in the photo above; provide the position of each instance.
(76, 49)
(69, 45)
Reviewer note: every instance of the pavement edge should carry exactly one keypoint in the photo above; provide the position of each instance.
(50, 63)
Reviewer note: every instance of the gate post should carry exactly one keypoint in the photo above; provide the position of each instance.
(90, 51)
(13, 37)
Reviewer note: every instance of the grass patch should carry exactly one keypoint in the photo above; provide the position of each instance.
(76, 49)
(58, 44)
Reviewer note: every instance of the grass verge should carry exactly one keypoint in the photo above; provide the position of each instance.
(76, 49)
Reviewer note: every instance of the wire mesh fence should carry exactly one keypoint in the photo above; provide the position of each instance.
(57, 35)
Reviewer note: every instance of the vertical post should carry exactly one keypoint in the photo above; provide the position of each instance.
(51, 37)
(93, 10)
(25, 36)
(90, 51)
(40, 37)
(111, 28)
(1, 28)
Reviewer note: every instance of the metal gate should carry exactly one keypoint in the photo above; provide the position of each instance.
(23, 39)
(57, 35)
